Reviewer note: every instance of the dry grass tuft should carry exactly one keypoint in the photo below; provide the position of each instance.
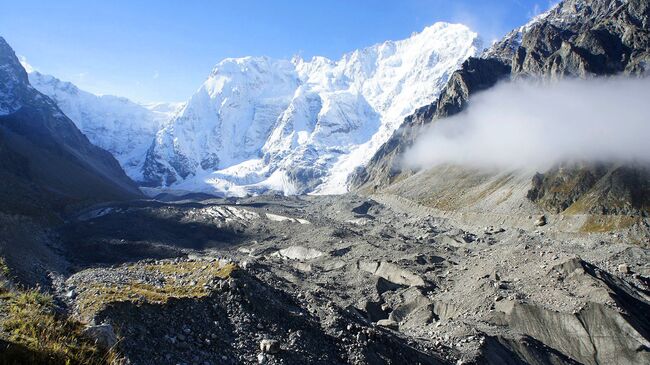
(33, 333)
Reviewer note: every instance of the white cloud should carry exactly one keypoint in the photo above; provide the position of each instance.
(25, 64)
(526, 125)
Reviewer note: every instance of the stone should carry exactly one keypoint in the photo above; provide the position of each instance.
(388, 323)
(540, 221)
(102, 334)
(624, 269)
(269, 346)
(392, 273)
(299, 253)
(494, 275)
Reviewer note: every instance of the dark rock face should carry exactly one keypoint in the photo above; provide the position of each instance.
(558, 188)
(578, 38)
(475, 75)
(593, 188)
(584, 38)
(45, 159)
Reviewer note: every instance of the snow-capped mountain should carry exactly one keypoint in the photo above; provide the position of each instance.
(301, 126)
(116, 124)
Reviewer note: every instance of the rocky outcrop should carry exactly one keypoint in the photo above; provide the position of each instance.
(600, 334)
(593, 188)
(391, 272)
(584, 38)
(580, 38)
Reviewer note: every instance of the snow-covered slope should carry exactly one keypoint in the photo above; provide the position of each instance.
(116, 124)
(301, 126)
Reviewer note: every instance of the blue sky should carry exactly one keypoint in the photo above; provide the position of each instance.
(162, 50)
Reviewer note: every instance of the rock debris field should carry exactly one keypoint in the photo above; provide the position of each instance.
(349, 280)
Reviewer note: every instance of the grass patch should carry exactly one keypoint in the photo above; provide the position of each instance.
(600, 224)
(176, 280)
(32, 333)
(4, 269)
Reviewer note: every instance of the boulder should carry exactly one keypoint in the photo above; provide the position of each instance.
(299, 253)
(388, 323)
(624, 269)
(102, 334)
(391, 272)
(269, 346)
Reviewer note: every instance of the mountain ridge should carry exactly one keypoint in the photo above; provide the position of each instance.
(576, 38)
(312, 118)
(116, 124)
(54, 160)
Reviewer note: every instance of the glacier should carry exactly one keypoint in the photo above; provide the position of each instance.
(120, 126)
(298, 126)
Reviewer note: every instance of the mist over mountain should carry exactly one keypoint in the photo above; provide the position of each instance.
(554, 122)
(536, 125)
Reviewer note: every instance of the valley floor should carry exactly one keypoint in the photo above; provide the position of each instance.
(349, 280)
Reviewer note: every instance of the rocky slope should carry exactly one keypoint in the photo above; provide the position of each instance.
(118, 125)
(47, 166)
(46, 149)
(298, 126)
(575, 39)
(445, 266)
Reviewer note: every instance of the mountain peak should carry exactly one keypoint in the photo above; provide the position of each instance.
(10, 65)
(12, 78)
(260, 123)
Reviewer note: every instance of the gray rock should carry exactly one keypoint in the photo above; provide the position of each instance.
(299, 253)
(391, 272)
(388, 323)
(624, 269)
(102, 334)
(268, 346)
(261, 358)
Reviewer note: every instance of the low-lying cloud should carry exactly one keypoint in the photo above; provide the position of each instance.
(533, 125)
